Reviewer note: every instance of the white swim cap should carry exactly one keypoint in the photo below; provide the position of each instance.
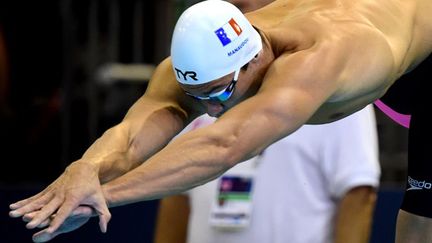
(212, 39)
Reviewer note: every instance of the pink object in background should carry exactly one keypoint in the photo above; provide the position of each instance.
(401, 119)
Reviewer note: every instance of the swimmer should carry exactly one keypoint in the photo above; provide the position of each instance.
(263, 74)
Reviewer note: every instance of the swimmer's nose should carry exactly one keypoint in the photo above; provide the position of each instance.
(213, 108)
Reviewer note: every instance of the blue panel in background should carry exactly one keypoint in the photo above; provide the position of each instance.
(384, 224)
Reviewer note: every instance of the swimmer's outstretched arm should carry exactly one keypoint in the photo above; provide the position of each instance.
(148, 126)
(191, 159)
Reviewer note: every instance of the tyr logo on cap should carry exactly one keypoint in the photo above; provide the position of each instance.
(185, 75)
(228, 32)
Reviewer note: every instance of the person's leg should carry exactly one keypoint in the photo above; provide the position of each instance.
(412, 228)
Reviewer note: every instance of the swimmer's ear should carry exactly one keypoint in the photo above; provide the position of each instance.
(256, 57)
(254, 60)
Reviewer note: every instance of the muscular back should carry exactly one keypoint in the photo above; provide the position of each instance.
(370, 44)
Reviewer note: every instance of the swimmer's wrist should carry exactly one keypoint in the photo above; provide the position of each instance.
(105, 170)
(96, 167)
(117, 193)
(109, 199)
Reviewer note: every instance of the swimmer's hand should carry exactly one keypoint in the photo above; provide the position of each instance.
(78, 185)
(76, 219)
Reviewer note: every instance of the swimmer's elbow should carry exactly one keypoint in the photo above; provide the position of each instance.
(225, 147)
(215, 148)
(233, 147)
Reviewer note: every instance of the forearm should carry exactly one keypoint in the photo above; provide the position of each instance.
(174, 169)
(128, 144)
(109, 153)
(354, 217)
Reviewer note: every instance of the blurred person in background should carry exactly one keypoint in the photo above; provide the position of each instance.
(316, 186)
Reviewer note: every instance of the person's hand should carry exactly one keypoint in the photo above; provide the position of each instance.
(78, 185)
(76, 219)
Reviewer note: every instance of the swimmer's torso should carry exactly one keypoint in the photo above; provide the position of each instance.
(383, 39)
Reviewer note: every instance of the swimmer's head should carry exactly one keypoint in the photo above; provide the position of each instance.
(212, 39)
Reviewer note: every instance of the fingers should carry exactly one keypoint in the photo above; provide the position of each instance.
(44, 213)
(29, 205)
(19, 204)
(75, 220)
(23, 202)
(44, 223)
(83, 211)
(29, 217)
(104, 214)
(63, 212)
(104, 218)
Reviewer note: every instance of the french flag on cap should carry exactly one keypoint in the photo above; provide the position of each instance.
(228, 32)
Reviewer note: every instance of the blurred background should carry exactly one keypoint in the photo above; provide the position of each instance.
(71, 69)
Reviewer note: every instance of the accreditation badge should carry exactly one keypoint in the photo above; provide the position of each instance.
(232, 207)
